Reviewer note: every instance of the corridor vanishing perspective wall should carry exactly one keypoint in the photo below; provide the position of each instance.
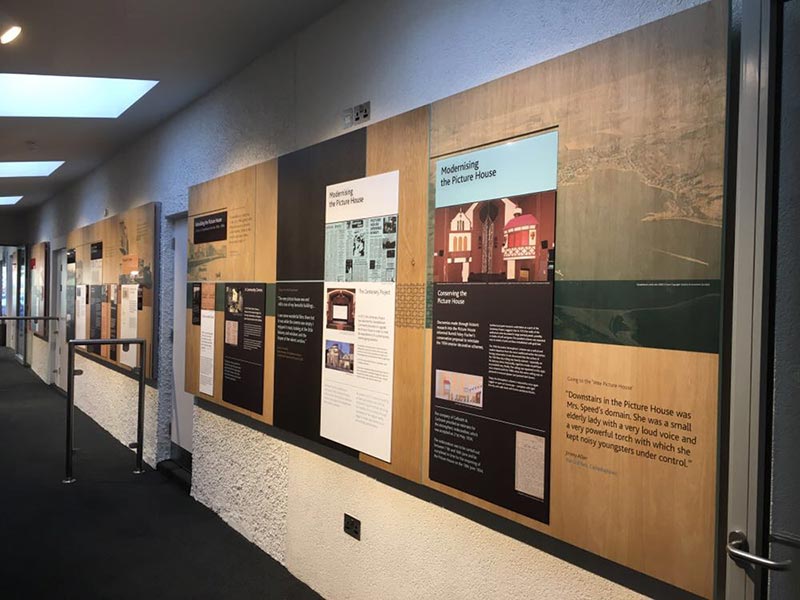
(623, 165)
(635, 130)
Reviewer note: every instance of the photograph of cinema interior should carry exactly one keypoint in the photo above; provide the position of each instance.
(507, 239)
(339, 356)
(341, 312)
(459, 387)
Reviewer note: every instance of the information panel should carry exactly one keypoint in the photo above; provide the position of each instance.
(492, 323)
(129, 321)
(70, 314)
(96, 264)
(81, 303)
(107, 256)
(111, 319)
(358, 333)
(243, 350)
(207, 335)
(98, 295)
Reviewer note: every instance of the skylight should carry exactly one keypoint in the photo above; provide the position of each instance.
(68, 97)
(29, 168)
(9, 200)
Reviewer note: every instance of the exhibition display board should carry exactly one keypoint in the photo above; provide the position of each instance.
(230, 312)
(511, 296)
(329, 233)
(111, 286)
(40, 287)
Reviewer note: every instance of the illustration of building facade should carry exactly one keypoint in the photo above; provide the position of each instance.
(494, 240)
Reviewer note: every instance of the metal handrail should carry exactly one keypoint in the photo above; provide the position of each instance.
(125, 342)
(34, 319)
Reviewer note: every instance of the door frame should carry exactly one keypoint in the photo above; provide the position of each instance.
(180, 455)
(748, 376)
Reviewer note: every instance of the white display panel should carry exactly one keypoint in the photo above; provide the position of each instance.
(359, 314)
(206, 382)
(129, 322)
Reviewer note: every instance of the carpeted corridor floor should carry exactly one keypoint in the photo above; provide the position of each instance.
(112, 534)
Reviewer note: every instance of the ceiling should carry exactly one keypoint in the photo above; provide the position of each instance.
(189, 47)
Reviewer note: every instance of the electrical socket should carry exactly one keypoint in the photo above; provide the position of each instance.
(356, 115)
(361, 113)
(352, 526)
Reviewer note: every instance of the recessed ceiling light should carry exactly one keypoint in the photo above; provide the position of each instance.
(10, 34)
(9, 200)
(68, 97)
(29, 168)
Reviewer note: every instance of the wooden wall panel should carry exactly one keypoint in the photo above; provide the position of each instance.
(641, 511)
(129, 256)
(191, 373)
(641, 125)
(401, 143)
(109, 233)
(234, 193)
(250, 198)
(640, 120)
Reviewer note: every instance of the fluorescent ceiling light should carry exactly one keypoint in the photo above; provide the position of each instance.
(68, 97)
(29, 168)
(9, 200)
(10, 34)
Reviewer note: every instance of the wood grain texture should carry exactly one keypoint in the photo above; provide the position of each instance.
(641, 125)
(236, 194)
(640, 119)
(640, 511)
(250, 198)
(401, 143)
(653, 517)
(129, 256)
(191, 365)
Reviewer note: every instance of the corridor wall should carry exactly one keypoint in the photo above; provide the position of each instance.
(265, 487)
(603, 411)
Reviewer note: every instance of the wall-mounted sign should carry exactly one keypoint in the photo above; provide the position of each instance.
(492, 323)
(211, 228)
(81, 302)
(129, 321)
(95, 264)
(243, 348)
(358, 332)
(96, 251)
(207, 339)
(70, 309)
(194, 291)
(97, 296)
